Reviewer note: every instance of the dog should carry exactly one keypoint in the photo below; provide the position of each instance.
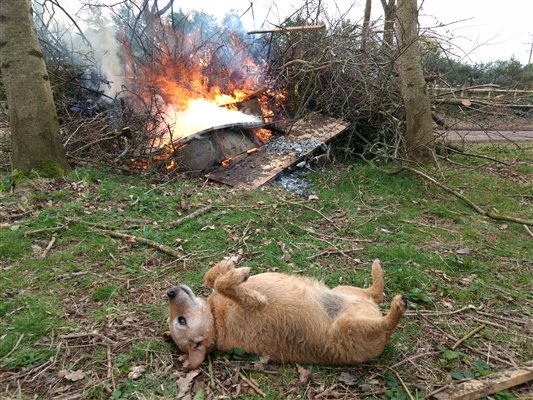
(285, 317)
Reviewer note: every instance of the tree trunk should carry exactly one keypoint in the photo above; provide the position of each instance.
(389, 14)
(419, 129)
(366, 24)
(32, 114)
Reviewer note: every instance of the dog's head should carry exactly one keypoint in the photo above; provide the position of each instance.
(191, 324)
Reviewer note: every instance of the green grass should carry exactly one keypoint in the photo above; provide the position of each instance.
(91, 282)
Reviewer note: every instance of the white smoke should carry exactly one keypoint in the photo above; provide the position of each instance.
(106, 56)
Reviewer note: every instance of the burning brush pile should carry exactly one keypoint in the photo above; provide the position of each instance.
(153, 81)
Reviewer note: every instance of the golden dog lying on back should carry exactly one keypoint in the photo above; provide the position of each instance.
(288, 318)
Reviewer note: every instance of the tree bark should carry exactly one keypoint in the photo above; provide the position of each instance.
(419, 125)
(32, 115)
(366, 24)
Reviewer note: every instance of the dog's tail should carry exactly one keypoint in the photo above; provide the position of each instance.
(376, 290)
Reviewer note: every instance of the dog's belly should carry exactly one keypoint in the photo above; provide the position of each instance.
(283, 335)
(296, 322)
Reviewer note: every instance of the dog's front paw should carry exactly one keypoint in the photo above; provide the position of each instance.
(241, 274)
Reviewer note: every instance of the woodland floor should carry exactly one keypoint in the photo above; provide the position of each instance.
(85, 318)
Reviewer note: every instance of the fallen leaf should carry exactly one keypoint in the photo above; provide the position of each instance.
(312, 197)
(504, 227)
(469, 279)
(184, 384)
(212, 227)
(136, 372)
(347, 379)
(447, 304)
(304, 374)
(36, 248)
(463, 252)
(72, 376)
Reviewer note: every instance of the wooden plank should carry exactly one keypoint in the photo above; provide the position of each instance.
(489, 384)
(263, 165)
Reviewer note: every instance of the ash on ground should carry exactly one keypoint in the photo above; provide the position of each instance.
(283, 146)
(295, 181)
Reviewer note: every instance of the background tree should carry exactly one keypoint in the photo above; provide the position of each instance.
(419, 125)
(32, 115)
(389, 15)
(366, 24)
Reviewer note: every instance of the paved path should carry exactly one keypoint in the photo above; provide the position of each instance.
(476, 136)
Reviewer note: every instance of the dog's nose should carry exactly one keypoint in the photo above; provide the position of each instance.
(171, 293)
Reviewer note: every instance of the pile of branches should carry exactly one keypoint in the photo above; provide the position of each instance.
(345, 72)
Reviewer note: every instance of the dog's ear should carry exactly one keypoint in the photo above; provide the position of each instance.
(196, 355)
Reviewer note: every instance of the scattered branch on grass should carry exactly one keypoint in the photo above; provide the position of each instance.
(468, 335)
(410, 359)
(191, 216)
(516, 321)
(131, 238)
(49, 246)
(528, 230)
(438, 314)
(458, 151)
(316, 211)
(252, 385)
(455, 339)
(15, 347)
(52, 229)
(331, 252)
(475, 207)
(70, 275)
(110, 373)
(79, 335)
(403, 384)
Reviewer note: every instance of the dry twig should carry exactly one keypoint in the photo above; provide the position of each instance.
(78, 335)
(191, 216)
(49, 246)
(252, 385)
(131, 238)
(468, 335)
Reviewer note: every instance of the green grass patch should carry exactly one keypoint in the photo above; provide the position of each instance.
(434, 249)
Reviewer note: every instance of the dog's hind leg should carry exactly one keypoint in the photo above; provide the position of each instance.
(357, 339)
(229, 285)
(395, 314)
(219, 269)
(375, 292)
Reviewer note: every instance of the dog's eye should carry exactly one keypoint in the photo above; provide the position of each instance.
(182, 321)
